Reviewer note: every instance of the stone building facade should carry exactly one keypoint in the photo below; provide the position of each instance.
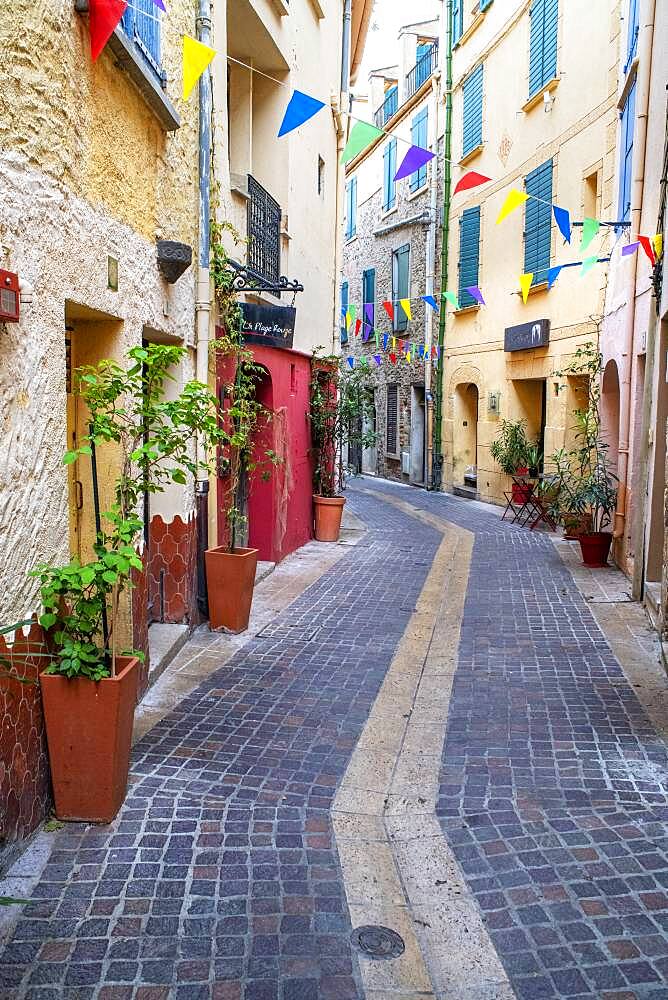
(379, 240)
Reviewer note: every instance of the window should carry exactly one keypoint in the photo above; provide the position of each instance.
(344, 310)
(469, 254)
(457, 20)
(484, 4)
(400, 285)
(392, 419)
(422, 63)
(369, 296)
(472, 115)
(351, 208)
(544, 15)
(321, 174)
(263, 225)
(419, 138)
(538, 222)
(389, 170)
(626, 151)
(632, 35)
(590, 200)
(141, 23)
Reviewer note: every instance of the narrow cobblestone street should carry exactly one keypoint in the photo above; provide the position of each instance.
(231, 872)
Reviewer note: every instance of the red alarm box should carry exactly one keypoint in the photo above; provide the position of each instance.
(9, 297)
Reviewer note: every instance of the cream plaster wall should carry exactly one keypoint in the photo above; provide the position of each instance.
(578, 134)
(85, 172)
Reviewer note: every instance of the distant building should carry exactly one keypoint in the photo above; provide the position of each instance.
(389, 254)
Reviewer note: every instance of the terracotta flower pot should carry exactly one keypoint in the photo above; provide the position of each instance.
(89, 733)
(576, 525)
(595, 548)
(328, 514)
(230, 578)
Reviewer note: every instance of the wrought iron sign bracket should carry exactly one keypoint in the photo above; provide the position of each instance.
(246, 280)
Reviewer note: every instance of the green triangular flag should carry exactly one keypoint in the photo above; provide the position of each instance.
(451, 298)
(587, 264)
(360, 137)
(590, 228)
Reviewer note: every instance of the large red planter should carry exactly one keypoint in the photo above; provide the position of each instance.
(328, 512)
(230, 578)
(89, 733)
(595, 548)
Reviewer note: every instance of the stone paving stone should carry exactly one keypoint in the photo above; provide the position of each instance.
(219, 878)
(554, 782)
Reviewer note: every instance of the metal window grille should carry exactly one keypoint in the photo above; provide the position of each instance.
(424, 67)
(264, 233)
(387, 108)
(392, 415)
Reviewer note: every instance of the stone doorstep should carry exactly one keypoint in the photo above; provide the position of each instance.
(164, 642)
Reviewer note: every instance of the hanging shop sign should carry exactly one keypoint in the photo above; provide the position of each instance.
(527, 335)
(9, 297)
(273, 326)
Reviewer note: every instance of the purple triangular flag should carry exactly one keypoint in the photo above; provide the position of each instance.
(476, 294)
(629, 249)
(377, 358)
(562, 218)
(552, 275)
(160, 4)
(415, 158)
(368, 312)
(431, 301)
(300, 108)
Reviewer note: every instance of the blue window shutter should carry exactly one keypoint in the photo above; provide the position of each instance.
(469, 254)
(419, 138)
(389, 170)
(141, 23)
(457, 20)
(626, 152)
(400, 284)
(472, 115)
(369, 296)
(484, 4)
(344, 309)
(632, 34)
(544, 17)
(353, 205)
(538, 222)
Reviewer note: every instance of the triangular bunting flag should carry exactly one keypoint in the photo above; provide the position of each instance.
(657, 242)
(360, 136)
(389, 309)
(386, 341)
(368, 312)
(300, 108)
(377, 339)
(431, 301)
(646, 244)
(351, 362)
(451, 298)
(475, 293)
(401, 347)
(406, 306)
(552, 275)
(363, 361)
(629, 249)
(196, 58)
(587, 265)
(513, 200)
(358, 324)
(590, 228)
(393, 357)
(377, 358)
(470, 180)
(160, 4)
(104, 15)
(350, 316)
(525, 285)
(394, 343)
(562, 217)
(415, 158)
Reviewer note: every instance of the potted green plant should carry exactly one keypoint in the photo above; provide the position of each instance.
(339, 404)
(89, 688)
(534, 457)
(511, 451)
(231, 566)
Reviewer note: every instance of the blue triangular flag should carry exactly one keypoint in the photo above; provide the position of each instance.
(377, 358)
(552, 275)
(431, 301)
(562, 218)
(385, 342)
(300, 108)
(351, 362)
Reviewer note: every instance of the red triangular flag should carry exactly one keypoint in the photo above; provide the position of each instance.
(389, 309)
(470, 180)
(103, 16)
(393, 357)
(358, 324)
(646, 244)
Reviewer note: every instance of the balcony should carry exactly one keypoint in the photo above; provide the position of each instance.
(422, 70)
(387, 108)
(264, 233)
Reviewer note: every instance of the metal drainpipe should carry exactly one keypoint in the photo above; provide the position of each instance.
(203, 298)
(345, 47)
(429, 290)
(645, 42)
(437, 458)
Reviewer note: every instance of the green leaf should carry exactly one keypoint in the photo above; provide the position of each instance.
(69, 457)
(46, 621)
(110, 577)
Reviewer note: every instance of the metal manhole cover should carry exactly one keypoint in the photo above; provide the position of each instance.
(374, 941)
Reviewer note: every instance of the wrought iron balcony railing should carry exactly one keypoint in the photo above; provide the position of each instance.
(387, 108)
(264, 233)
(422, 70)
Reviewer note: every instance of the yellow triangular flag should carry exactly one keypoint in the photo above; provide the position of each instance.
(196, 58)
(513, 200)
(406, 306)
(394, 342)
(408, 357)
(658, 245)
(525, 285)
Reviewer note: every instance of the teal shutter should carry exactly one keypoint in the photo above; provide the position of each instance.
(484, 4)
(369, 296)
(457, 20)
(632, 35)
(344, 309)
(544, 17)
(400, 284)
(419, 138)
(472, 115)
(469, 254)
(351, 208)
(538, 222)
(389, 170)
(628, 120)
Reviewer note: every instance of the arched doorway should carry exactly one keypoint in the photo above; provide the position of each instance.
(610, 412)
(465, 437)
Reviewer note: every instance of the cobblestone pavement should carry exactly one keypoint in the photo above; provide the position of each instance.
(219, 879)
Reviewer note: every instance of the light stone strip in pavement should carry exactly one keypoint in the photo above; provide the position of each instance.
(397, 867)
